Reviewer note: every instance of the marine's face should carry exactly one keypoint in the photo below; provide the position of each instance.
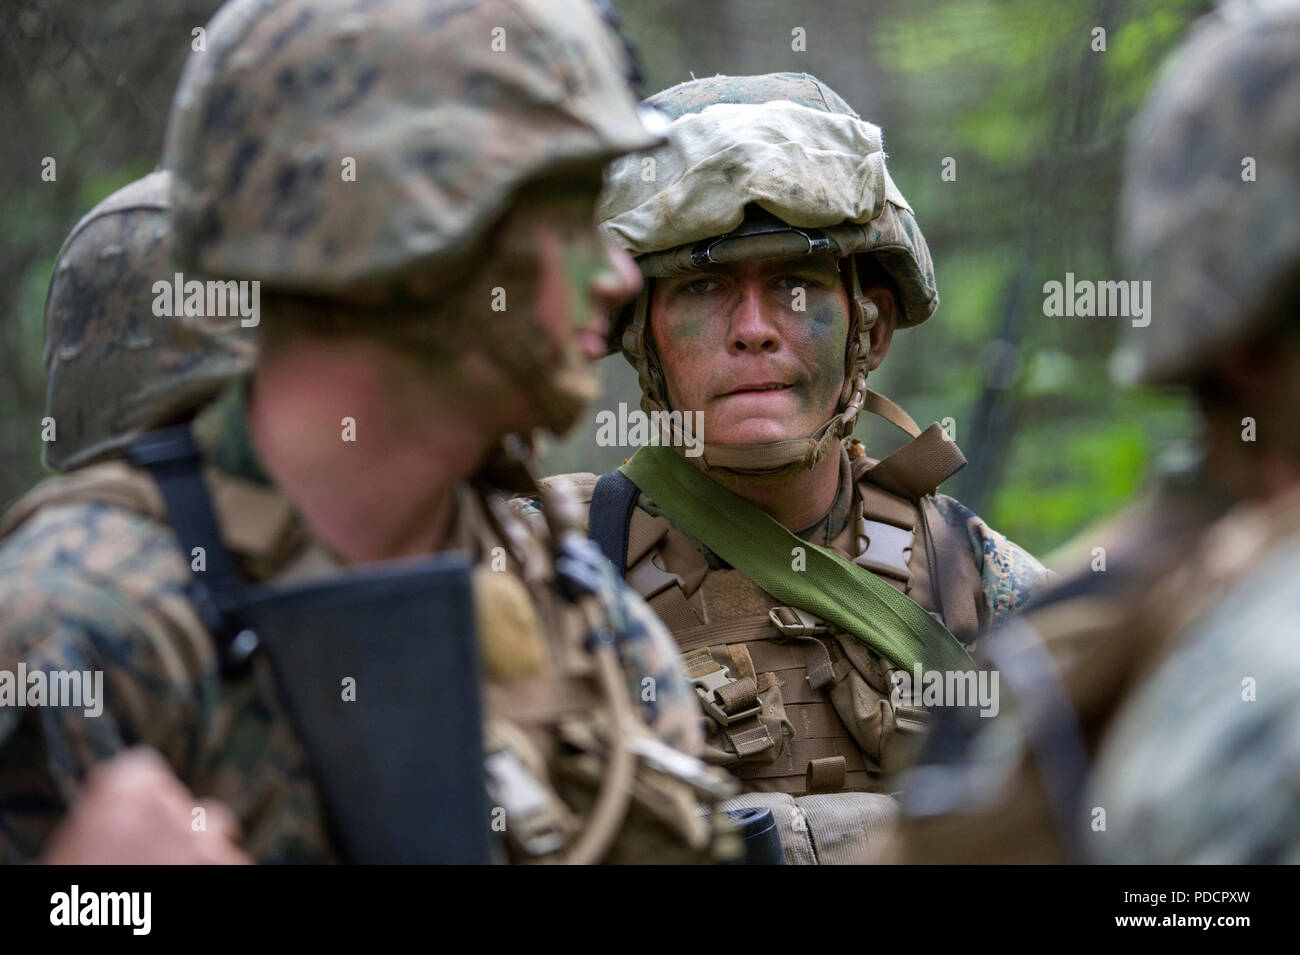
(758, 347)
(584, 276)
(572, 278)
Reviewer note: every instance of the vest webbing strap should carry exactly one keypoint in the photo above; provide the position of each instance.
(745, 629)
(851, 597)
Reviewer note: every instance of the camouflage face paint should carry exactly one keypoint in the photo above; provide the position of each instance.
(825, 336)
(549, 260)
(757, 346)
(584, 262)
(561, 211)
(689, 321)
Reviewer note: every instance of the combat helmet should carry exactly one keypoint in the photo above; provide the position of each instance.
(1211, 204)
(764, 167)
(116, 365)
(323, 146)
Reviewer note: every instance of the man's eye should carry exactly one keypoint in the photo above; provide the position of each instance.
(796, 281)
(700, 286)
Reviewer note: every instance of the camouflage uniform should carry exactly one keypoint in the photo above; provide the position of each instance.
(91, 575)
(768, 167)
(1155, 690)
(1199, 764)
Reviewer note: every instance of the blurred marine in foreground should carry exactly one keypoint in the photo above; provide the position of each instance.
(1157, 700)
(390, 175)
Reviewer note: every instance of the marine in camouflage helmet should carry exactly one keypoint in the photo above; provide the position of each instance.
(116, 367)
(1193, 769)
(291, 99)
(761, 167)
(771, 188)
(307, 155)
(477, 131)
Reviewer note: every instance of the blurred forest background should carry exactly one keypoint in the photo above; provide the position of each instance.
(1012, 90)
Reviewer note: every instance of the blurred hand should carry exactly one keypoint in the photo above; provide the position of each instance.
(134, 811)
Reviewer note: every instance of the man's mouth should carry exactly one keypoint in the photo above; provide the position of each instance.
(592, 339)
(757, 388)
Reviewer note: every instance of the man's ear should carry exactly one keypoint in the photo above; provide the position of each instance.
(882, 332)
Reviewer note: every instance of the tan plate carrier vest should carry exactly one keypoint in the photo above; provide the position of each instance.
(792, 706)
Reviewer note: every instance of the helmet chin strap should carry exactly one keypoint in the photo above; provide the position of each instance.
(774, 460)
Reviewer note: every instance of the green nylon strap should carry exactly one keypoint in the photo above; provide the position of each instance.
(849, 596)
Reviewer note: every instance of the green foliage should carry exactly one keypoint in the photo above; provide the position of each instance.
(1066, 473)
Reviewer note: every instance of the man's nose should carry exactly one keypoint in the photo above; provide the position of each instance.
(753, 326)
(620, 280)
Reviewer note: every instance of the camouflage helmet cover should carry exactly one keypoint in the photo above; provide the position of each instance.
(116, 368)
(786, 143)
(443, 109)
(1213, 239)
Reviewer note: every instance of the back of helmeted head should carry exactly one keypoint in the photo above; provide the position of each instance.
(1211, 205)
(120, 358)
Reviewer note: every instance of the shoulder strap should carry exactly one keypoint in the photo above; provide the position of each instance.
(172, 457)
(919, 466)
(953, 574)
(612, 504)
(625, 536)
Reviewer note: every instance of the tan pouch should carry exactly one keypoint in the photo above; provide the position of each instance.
(862, 694)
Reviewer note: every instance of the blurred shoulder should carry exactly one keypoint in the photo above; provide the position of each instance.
(95, 574)
(579, 486)
(1010, 575)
